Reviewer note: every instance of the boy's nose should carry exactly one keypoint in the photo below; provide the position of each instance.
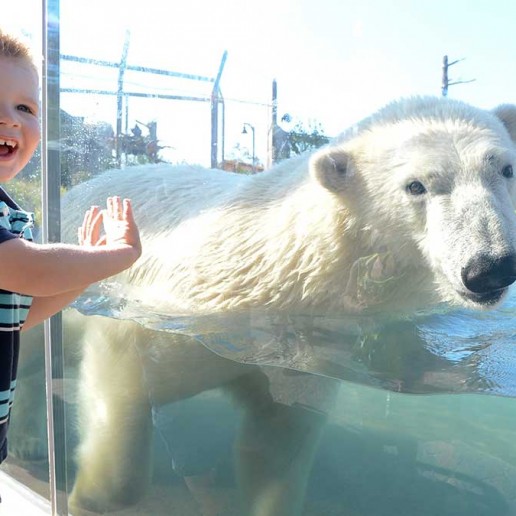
(8, 117)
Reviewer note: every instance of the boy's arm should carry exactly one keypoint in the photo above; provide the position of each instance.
(53, 269)
(44, 307)
(120, 228)
(46, 270)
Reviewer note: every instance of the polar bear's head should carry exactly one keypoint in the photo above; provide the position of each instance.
(436, 179)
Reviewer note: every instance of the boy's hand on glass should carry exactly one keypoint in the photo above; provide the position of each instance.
(89, 234)
(119, 225)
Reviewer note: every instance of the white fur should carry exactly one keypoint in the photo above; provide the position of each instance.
(287, 240)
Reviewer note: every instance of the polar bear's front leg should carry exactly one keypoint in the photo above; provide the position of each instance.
(275, 450)
(115, 420)
(276, 453)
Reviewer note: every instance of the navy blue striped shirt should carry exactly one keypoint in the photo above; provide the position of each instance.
(14, 307)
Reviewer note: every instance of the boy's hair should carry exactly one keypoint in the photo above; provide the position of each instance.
(14, 48)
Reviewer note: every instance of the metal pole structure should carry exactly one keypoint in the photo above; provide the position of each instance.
(244, 131)
(120, 98)
(445, 80)
(216, 98)
(273, 152)
(444, 85)
(223, 128)
(51, 232)
(254, 154)
(214, 129)
(126, 125)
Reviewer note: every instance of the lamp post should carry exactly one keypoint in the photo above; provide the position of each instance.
(244, 131)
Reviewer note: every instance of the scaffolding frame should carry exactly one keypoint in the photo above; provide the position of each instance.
(215, 99)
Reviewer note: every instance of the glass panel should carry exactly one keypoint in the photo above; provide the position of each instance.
(27, 460)
(328, 337)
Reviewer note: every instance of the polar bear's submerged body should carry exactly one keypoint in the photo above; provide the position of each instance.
(411, 208)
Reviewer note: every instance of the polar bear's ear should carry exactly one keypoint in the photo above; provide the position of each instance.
(507, 114)
(331, 167)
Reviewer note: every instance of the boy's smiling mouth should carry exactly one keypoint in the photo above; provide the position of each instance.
(7, 147)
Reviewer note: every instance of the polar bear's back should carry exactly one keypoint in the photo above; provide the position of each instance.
(183, 191)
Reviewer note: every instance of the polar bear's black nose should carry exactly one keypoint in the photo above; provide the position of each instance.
(485, 273)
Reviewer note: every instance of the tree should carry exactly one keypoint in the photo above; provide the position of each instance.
(304, 138)
(86, 148)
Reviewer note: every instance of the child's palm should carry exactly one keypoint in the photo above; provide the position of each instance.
(119, 224)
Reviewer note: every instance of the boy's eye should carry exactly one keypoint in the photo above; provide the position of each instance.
(25, 108)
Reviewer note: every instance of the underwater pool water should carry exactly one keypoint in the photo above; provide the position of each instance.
(445, 351)
(420, 414)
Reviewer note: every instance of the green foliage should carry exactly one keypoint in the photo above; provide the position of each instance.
(86, 149)
(27, 193)
(138, 159)
(304, 138)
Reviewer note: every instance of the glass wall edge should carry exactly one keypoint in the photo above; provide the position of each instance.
(51, 221)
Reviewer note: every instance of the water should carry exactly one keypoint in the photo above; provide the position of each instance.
(419, 455)
(444, 352)
(398, 439)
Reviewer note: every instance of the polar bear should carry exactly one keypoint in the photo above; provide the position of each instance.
(412, 208)
(425, 185)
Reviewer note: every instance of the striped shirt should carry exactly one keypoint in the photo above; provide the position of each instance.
(14, 223)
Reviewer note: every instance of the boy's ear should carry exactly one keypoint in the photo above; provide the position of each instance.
(507, 114)
(332, 168)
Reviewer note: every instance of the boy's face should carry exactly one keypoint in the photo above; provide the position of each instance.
(19, 116)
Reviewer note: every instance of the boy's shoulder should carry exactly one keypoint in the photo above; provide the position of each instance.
(14, 222)
(7, 199)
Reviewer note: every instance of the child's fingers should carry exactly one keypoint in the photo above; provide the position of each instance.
(128, 210)
(82, 230)
(109, 206)
(90, 215)
(119, 224)
(87, 218)
(114, 205)
(89, 232)
(95, 227)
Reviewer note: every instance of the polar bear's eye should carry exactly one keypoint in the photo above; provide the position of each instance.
(416, 188)
(507, 171)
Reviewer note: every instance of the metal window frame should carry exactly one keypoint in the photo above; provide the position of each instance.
(51, 232)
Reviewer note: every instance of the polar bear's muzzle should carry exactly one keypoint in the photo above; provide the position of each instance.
(487, 277)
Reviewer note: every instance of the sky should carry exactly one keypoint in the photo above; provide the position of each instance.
(335, 61)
